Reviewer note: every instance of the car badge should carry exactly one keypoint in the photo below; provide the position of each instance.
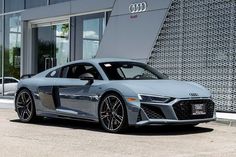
(193, 94)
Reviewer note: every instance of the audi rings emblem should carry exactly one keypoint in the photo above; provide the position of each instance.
(138, 7)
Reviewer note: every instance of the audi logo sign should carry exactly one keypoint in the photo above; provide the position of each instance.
(138, 7)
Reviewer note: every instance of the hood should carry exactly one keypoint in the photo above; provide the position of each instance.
(170, 88)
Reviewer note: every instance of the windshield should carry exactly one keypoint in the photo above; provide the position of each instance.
(130, 71)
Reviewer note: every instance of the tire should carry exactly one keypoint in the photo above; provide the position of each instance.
(25, 106)
(113, 114)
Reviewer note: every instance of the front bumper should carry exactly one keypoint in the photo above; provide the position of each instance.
(173, 122)
(176, 112)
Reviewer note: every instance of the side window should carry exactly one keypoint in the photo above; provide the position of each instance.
(92, 70)
(7, 81)
(54, 73)
(76, 70)
(12, 81)
(64, 72)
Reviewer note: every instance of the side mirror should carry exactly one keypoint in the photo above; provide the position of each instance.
(88, 77)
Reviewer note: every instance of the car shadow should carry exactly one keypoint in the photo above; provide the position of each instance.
(167, 130)
(135, 131)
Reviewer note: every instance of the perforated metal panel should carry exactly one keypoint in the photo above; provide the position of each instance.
(198, 43)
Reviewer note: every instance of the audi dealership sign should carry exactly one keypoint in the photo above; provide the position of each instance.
(138, 7)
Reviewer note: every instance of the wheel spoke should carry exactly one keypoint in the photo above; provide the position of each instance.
(103, 112)
(22, 114)
(19, 106)
(104, 115)
(118, 118)
(110, 124)
(27, 111)
(116, 105)
(28, 101)
(23, 98)
(20, 103)
(107, 102)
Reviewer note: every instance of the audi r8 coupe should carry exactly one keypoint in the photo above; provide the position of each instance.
(117, 93)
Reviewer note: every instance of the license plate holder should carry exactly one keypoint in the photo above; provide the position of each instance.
(198, 109)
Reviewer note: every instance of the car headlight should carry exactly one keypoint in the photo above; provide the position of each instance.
(153, 98)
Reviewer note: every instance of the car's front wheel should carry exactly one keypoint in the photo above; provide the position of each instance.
(113, 114)
(25, 106)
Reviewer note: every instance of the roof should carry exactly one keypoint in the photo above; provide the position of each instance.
(100, 60)
(95, 61)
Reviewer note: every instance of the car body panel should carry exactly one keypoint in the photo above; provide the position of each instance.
(170, 88)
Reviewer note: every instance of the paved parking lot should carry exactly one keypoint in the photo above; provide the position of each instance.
(52, 137)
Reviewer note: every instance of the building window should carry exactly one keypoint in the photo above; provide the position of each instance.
(14, 5)
(62, 43)
(92, 34)
(12, 45)
(35, 3)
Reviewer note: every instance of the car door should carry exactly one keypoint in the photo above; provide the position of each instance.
(47, 93)
(78, 97)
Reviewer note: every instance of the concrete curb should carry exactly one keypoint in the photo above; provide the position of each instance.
(226, 115)
(227, 122)
(7, 97)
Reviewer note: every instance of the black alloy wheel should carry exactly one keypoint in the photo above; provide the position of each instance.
(113, 114)
(25, 106)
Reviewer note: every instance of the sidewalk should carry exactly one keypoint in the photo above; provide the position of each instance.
(6, 101)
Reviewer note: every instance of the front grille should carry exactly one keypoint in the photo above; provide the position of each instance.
(153, 112)
(183, 109)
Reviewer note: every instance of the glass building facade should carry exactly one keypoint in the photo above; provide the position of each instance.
(51, 40)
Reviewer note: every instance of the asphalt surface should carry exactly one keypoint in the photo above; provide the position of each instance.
(53, 137)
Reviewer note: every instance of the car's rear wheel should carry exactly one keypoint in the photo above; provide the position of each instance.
(113, 114)
(25, 107)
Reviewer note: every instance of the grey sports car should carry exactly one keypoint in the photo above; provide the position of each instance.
(116, 93)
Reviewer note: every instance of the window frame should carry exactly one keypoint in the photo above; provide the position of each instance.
(59, 71)
(138, 64)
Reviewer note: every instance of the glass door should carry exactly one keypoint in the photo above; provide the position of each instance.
(51, 44)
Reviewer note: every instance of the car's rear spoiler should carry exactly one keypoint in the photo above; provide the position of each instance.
(26, 76)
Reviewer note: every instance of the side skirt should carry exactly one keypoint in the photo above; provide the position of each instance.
(60, 116)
